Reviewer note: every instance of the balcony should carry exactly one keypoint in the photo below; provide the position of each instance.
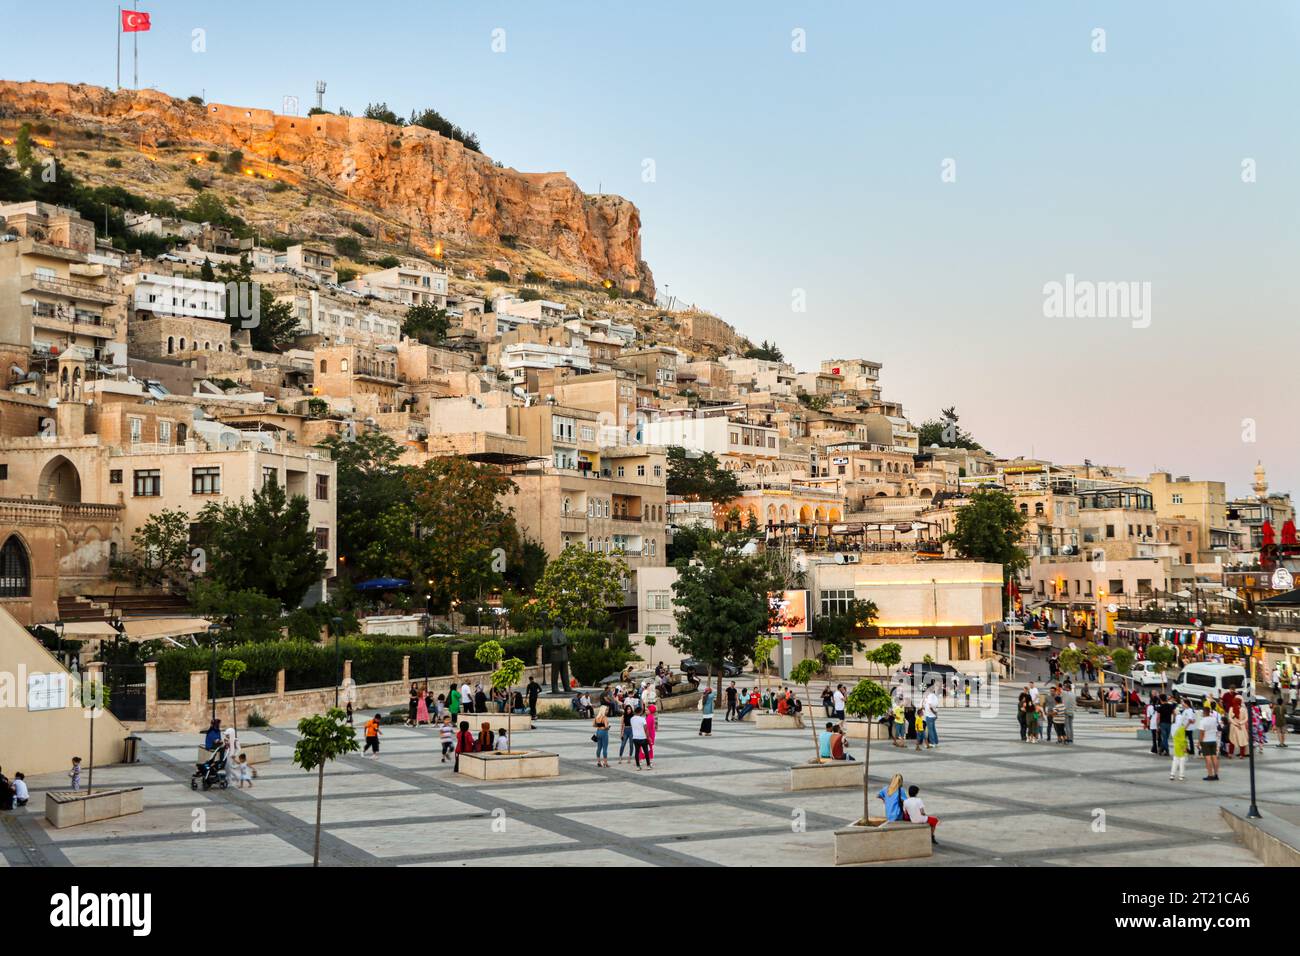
(69, 288)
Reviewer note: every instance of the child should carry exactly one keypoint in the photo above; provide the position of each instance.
(914, 810)
(245, 772)
(20, 790)
(448, 735)
(75, 773)
(503, 741)
(920, 728)
(372, 736)
(350, 724)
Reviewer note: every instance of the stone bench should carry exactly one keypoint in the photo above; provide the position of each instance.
(826, 774)
(862, 729)
(881, 841)
(779, 722)
(70, 808)
(510, 766)
(518, 722)
(259, 752)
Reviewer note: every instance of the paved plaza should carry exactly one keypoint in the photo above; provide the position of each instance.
(721, 800)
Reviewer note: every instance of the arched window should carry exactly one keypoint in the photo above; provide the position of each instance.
(171, 344)
(324, 365)
(15, 569)
(182, 343)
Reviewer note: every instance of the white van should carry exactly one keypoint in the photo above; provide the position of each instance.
(1198, 681)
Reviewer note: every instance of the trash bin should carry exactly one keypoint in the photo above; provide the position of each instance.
(130, 749)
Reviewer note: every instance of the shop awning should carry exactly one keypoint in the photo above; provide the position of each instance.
(87, 629)
(1286, 599)
(147, 629)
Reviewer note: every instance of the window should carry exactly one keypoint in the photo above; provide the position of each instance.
(836, 601)
(15, 569)
(205, 481)
(620, 471)
(164, 433)
(322, 487)
(322, 539)
(659, 470)
(659, 600)
(269, 475)
(640, 471)
(1177, 499)
(147, 483)
(562, 429)
(1110, 531)
(115, 476)
(4, 472)
(659, 629)
(137, 426)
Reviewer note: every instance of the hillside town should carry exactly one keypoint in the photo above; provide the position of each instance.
(300, 449)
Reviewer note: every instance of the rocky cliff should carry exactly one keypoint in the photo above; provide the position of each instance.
(411, 175)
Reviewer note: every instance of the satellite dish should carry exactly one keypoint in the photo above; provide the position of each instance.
(229, 440)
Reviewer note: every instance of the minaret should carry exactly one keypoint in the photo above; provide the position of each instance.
(1261, 482)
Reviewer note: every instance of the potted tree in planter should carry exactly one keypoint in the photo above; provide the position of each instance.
(322, 738)
(867, 840)
(232, 669)
(505, 674)
(803, 674)
(763, 649)
(1122, 660)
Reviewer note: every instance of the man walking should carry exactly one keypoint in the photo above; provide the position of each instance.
(1209, 735)
(1165, 712)
(1067, 698)
(534, 691)
(930, 711)
(837, 702)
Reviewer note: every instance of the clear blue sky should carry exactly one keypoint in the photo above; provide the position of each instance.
(820, 171)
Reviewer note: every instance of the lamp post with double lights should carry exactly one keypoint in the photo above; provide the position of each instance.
(1253, 812)
(336, 625)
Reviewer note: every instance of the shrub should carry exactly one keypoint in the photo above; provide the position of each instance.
(361, 229)
(113, 163)
(255, 719)
(388, 262)
(280, 186)
(498, 275)
(348, 246)
(558, 712)
(194, 182)
(234, 161)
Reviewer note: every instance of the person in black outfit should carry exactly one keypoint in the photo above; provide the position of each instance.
(534, 690)
(731, 701)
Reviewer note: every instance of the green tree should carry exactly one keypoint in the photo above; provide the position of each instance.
(945, 433)
(277, 325)
(425, 323)
(505, 675)
(381, 112)
(251, 617)
(869, 701)
(1121, 658)
(1069, 660)
(803, 674)
(432, 119)
(989, 529)
(94, 697)
(449, 533)
(23, 146)
(887, 656)
(763, 649)
(207, 273)
(578, 588)
(1162, 655)
(369, 483)
(162, 544)
(767, 351)
(842, 627)
(723, 602)
(650, 641)
(232, 668)
(322, 739)
(266, 544)
(699, 477)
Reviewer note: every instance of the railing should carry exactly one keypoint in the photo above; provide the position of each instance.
(73, 287)
(1265, 619)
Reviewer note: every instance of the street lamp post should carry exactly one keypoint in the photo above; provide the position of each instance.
(428, 626)
(1253, 812)
(212, 669)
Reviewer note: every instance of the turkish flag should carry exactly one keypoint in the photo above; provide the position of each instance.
(134, 21)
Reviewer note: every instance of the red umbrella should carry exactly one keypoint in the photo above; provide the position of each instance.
(1288, 532)
(1267, 531)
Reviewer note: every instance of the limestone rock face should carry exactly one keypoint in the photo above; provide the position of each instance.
(409, 174)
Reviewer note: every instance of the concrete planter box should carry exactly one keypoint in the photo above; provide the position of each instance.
(778, 722)
(513, 766)
(826, 775)
(881, 842)
(864, 729)
(257, 753)
(519, 723)
(70, 808)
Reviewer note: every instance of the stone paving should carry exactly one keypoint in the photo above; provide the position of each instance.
(719, 800)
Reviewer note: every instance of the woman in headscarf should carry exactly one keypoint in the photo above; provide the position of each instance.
(1237, 729)
(486, 741)
(893, 796)
(651, 723)
(232, 746)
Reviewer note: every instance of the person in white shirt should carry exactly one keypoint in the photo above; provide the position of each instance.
(837, 701)
(1033, 692)
(466, 698)
(914, 810)
(639, 740)
(930, 712)
(1208, 730)
(21, 796)
(503, 741)
(1153, 724)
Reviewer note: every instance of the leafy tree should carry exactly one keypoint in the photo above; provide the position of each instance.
(869, 701)
(232, 668)
(1121, 658)
(577, 589)
(723, 602)
(887, 656)
(1069, 660)
(207, 273)
(767, 351)
(13, 186)
(432, 119)
(763, 649)
(23, 146)
(700, 478)
(251, 616)
(803, 674)
(685, 542)
(945, 433)
(162, 544)
(841, 628)
(322, 739)
(446, 529)
(650, 641)
(989, 529)
(369, 483)
(505, 675)
(526, 566)
(266, 544)
(1162, 655)
(381, 112)
(348, 247)
(426, 324)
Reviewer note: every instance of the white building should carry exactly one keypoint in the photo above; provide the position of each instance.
(717, 434)
(517, 359)
(153, 296)
(408, 285)
(341, 322)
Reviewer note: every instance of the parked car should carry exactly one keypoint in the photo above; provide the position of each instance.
(1146, 674)
(1201, 680)
(704, 669)
(1038, 639)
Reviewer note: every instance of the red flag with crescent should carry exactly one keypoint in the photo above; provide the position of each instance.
(134, 21)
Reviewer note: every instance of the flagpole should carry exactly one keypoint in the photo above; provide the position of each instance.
(119, 48)
(135, 48)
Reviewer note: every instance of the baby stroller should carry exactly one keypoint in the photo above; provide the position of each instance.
(211, 771)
